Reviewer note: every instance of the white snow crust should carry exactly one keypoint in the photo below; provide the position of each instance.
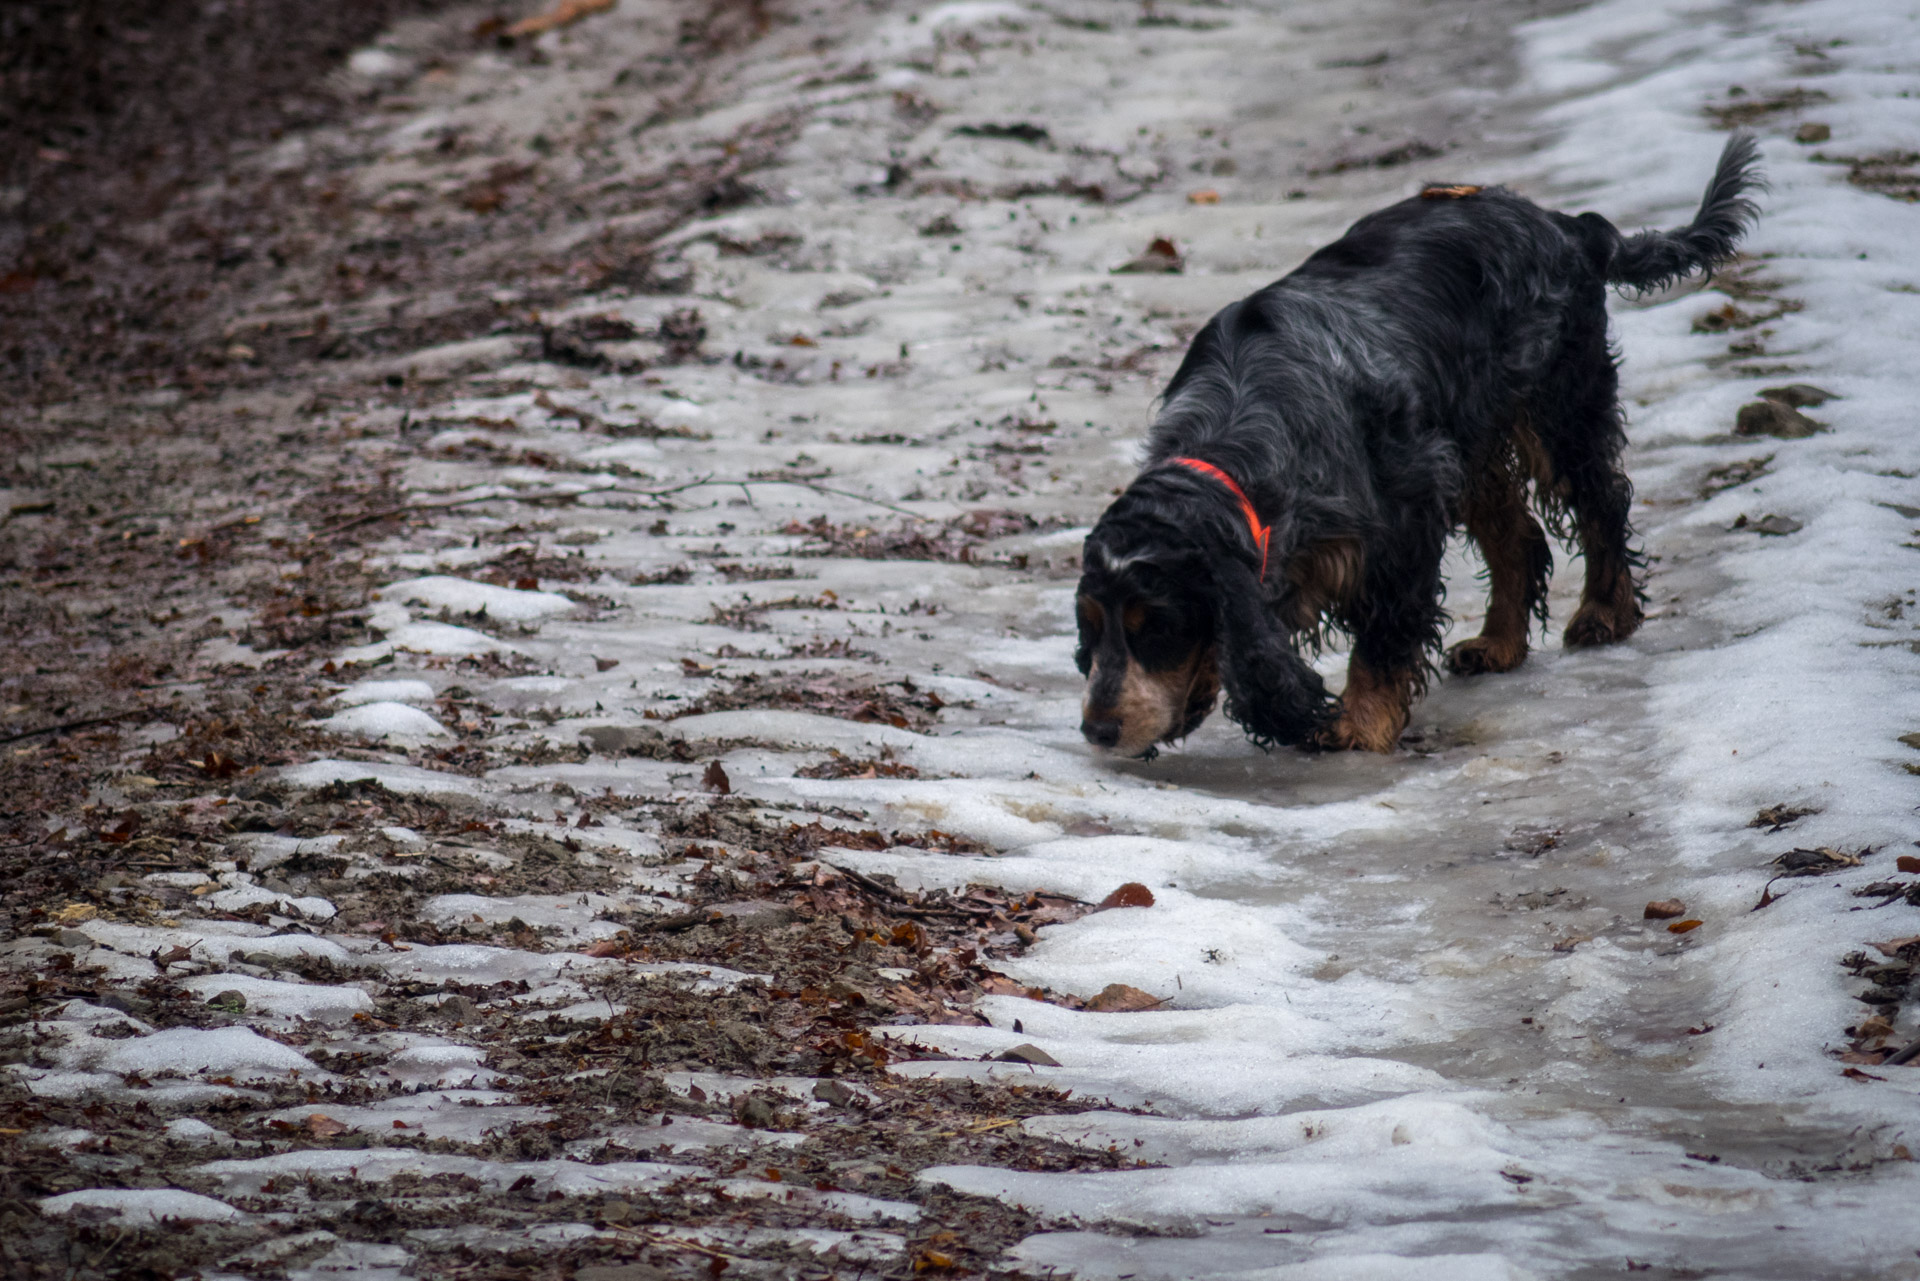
(384, 720)
(140, 1207)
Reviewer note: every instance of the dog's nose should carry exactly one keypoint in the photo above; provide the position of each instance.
(1101, 733)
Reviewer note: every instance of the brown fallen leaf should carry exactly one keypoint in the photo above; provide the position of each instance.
(172, 956)
(74, 913)
(1798, 395)
(1872, 1058)
(1878, 1025)
(1205, 196)
(1118, 998)
(1776, 817)
(1770, 525)
(1907, 863)
(606, 947)
(605, 664)
(1683, 927)
(1855, 1074)
(716, 780)
(1773, 418)
(1893, 947)
(1664, 909)
(1030, 1054)
(1132, 894)
(834, 1093)
(1818, 861)
(1162, 255)
(564, 14)
(322, 1126)
(217, 766)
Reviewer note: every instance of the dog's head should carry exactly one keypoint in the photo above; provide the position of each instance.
(1171, 609)
(1146, 645)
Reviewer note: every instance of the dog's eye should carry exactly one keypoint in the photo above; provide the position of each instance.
(1092, 618)
(1135, 617)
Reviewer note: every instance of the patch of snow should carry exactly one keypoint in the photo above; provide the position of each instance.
(246, 1176)
(239, 898)
(288, 1000)
(443, 639)
(190, 1129)
(463, 596)
(177, 880)
(389, 691)
(444, 1066)
(383, 720)
(139, 1207)
(462, 1116)
(575, 916)
(408, 779)
(237, 1052)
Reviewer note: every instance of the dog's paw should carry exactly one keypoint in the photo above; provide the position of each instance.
(1602, 623)
(1483, 655)
(1348, 733)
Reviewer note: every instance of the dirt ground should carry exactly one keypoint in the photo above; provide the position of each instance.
(175, 311)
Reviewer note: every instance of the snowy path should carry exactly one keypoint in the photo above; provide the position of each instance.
(1412, 1005)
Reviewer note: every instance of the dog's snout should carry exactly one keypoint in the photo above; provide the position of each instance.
(1101, 733)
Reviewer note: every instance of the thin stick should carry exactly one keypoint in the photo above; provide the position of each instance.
(61, 729)
(746, 485)
(867, 883)
(848, 493)
(367, 518)
(675, 1242)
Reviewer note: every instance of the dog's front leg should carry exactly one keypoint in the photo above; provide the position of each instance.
(1373, 708)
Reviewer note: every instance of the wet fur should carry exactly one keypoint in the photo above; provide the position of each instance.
(1415, 376)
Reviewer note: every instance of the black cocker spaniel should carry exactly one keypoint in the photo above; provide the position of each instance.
(1324, 437)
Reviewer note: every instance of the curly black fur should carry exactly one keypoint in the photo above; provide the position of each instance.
(1441, 349)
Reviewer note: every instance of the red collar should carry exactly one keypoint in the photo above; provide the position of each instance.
(1262, 534)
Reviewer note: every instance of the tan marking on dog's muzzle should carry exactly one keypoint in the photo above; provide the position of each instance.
(1150, 707)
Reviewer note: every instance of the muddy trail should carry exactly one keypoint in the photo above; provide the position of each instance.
(539, 729)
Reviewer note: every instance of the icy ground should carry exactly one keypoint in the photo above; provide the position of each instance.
(1412, 1005)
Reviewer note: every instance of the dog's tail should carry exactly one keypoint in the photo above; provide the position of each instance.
(1655, 259)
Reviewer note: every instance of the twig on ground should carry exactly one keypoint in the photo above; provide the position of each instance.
(868, 884)
(675, 1242)
(683, 921)
(1908, 1055)
(61, 729)
(367, 518)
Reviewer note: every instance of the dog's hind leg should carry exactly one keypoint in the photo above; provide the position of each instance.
(1519, 563)
(1583, 447)
(1610, 602)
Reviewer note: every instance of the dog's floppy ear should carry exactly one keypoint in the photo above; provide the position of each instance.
(1271, 691)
